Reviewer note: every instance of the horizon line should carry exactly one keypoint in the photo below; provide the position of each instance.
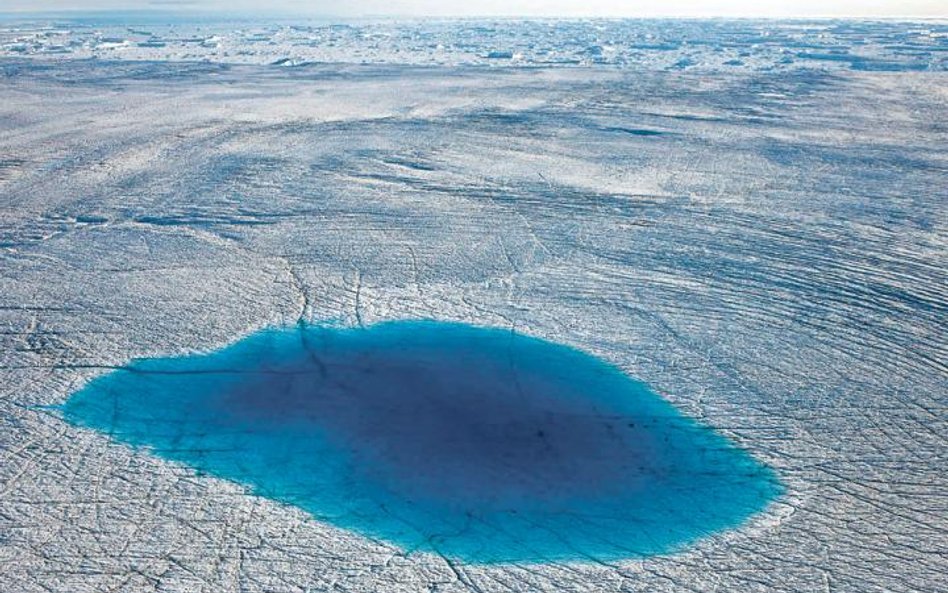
(185, 10)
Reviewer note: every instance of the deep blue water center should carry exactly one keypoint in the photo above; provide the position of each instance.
(482, 445)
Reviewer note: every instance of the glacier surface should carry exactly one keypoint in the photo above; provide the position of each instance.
(750, 217)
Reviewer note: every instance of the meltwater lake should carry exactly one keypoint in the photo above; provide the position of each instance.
(483, 445)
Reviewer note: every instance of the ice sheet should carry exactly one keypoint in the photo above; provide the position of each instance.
(766, 249)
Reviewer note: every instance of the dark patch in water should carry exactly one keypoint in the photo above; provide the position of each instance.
(478, 444)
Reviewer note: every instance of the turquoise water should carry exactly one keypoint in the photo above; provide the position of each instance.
(479, 444)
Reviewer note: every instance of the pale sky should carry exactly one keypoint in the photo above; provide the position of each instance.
(609, 8)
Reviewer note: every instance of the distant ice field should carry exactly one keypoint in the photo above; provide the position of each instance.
(765, 247)
(651, 44)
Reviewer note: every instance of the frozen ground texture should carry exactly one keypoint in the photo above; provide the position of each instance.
(767, 249)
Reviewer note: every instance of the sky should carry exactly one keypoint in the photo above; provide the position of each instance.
(440, 8)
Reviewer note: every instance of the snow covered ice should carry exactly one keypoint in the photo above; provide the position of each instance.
(750, 217)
